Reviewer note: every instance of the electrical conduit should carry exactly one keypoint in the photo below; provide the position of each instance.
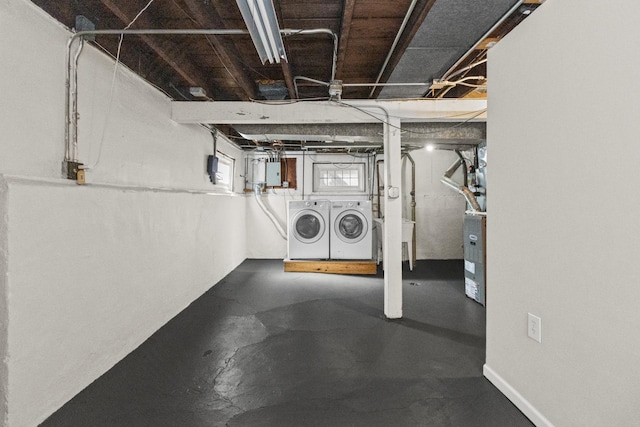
(71, 113)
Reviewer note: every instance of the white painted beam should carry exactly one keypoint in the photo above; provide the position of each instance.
(303, 112)
(392, 245)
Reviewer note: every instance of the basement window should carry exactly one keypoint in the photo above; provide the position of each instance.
(224, 176)
(339, 177)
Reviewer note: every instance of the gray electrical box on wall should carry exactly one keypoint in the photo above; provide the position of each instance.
(273, 174)
(475, 257)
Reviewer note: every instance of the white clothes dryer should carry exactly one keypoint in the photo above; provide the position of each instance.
(351, 230)
(308, 236)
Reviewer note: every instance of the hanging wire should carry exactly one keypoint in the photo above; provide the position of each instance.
(113, 86)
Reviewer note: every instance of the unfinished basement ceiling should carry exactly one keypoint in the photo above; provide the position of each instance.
(400, 41)
(442, 40)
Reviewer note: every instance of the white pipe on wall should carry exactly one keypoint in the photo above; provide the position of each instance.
(258, 194)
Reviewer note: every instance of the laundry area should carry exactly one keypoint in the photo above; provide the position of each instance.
(334, 210)
(318, 213)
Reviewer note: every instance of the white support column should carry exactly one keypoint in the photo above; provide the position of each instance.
(392, 245)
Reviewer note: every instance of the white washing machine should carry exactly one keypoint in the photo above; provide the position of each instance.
(308, 236)
(351, 230)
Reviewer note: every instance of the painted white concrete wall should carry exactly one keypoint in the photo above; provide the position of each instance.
(130, 146)
(95, 271)
(33, 100)
(439, 210)
(263, 239)
(91, 271)
(563, 216)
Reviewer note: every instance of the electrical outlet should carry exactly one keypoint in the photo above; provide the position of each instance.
(534, 327)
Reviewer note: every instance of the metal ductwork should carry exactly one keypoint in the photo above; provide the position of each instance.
(460, 189)
(273, 90)
(441, 134)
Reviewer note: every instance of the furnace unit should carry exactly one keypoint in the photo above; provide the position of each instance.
(475, 226)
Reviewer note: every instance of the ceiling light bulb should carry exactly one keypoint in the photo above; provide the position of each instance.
(430, 147)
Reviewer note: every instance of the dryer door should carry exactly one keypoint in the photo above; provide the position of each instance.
(308, 226)
(351, 226)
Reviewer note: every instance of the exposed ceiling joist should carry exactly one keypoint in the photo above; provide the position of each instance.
(347, 16)
(417, 18)
(286, 68)
(206, 17)
(288, 77)
(165, 49)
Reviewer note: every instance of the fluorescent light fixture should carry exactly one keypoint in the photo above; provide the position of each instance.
(262, 23)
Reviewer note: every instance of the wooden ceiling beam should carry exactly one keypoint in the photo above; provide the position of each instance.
(345, 27)
(207, 16)
(286, 67)
(169, 51)
(143, 62)
(415, 22)
(288, 78)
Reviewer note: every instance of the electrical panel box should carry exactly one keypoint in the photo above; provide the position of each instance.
(475, 257)
(274, 179)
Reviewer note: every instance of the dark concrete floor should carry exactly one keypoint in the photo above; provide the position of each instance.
(268, 348)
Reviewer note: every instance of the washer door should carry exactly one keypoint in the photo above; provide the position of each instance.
(351, 226)
(308, 226)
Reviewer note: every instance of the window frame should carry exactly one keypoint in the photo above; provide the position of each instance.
(321, 167)
(224, 159)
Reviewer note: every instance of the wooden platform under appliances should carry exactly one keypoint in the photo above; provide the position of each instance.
(330, 266)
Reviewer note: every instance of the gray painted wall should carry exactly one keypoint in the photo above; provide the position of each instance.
(4, 313)
(563, 137)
